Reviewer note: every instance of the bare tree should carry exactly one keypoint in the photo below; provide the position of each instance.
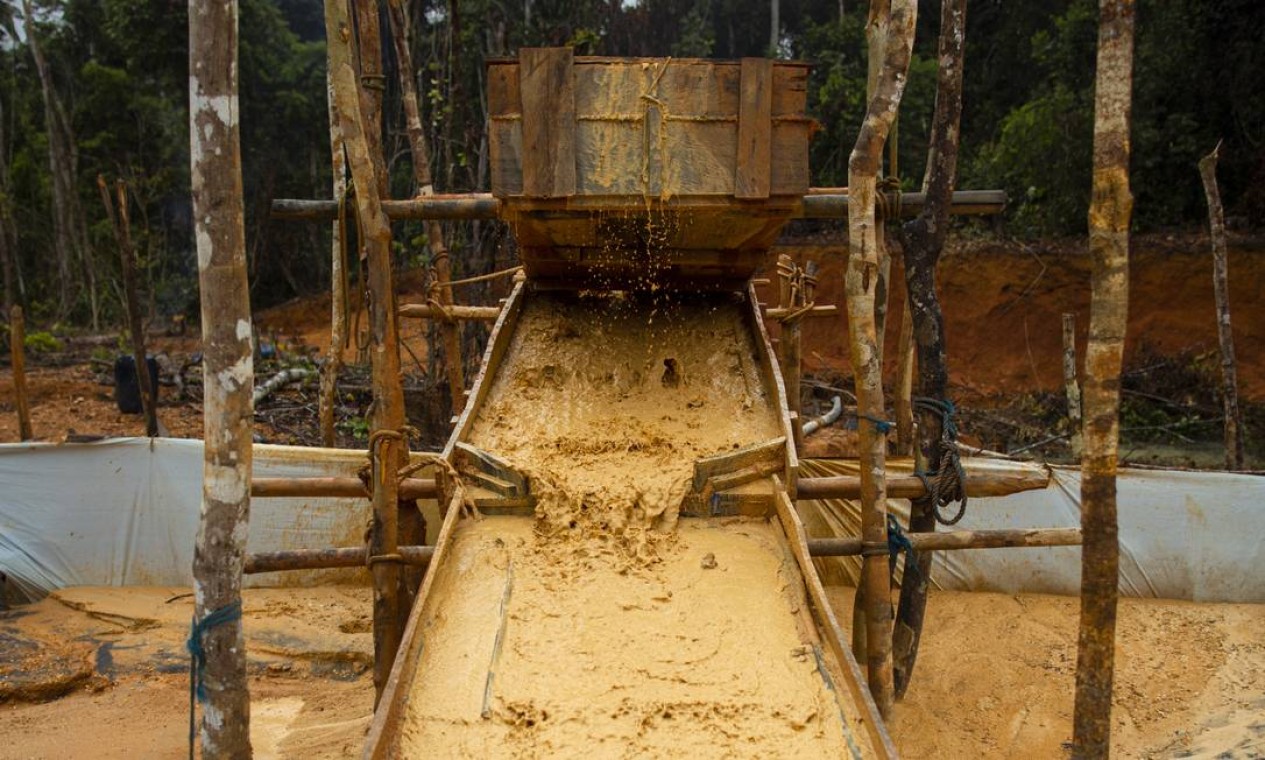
(228, 379)
(1110, 210)
(897, 17)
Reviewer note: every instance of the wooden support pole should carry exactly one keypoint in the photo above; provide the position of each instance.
(453, 361)
(903, 402)
(957, 539)
(820, 203)
(328, 559)
(338, 280)
(861, 282)
(1071, 385)
(825, 310)
(978, 484)
(923, 239)
(336, 487)
(17, 353)
(228, 379)
(387, 446)
(1221, 294)
(1110, 211)
(427, 311)
(127, 258)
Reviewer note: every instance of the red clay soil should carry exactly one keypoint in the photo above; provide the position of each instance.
(1003, 304)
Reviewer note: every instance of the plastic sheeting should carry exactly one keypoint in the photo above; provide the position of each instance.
(1183, 535)
(125, 512)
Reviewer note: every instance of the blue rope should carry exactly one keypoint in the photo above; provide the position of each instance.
(883, 426)
(899, 543)
(197, 658)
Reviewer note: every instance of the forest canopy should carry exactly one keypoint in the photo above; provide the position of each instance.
(117, 75)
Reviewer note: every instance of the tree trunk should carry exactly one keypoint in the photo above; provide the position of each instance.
(8, 249)
(775, 27)
(1110, 209)
(127, 259)
(387, 447)
(338, 280)
(58, 163)
(17, 357)
(861, 282)
(923, 243)
(425, 186)
(1221, 291)
(373, 85)
(228, 376)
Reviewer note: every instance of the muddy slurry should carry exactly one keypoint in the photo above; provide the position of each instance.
(606, 625)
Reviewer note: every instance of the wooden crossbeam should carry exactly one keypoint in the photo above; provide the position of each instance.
(428, 311)
(336, 487)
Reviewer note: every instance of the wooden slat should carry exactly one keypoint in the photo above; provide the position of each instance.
(498, 344)
(390, 711)
(752, 170)
(880, 741)
(732, 461)
(772, 374)
(547, 88)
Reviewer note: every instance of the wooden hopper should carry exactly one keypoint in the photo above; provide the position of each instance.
(638, 172)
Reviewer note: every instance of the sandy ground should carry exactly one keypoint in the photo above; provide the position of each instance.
(994, 680)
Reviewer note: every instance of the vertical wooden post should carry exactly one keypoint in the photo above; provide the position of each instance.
(228, 378)
(861, 281)
(373, 85)
(338, 279)
(127, 259)
(1221, 292)
(1110, 210)
(387, 447)
(425, 186)
(903, 403)
(924, 238)
(1071, 386)
(17, 352)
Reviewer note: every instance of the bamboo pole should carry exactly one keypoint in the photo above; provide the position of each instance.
(1110, 211)
(336, 487)
(861, 283)
(820, 203)
(955, 540)
(924, 238)
(428, 311)
(17, 353)
(425, 187)
(338, 280)
(127, 258)
(328, 559)
(1221, 293)
(228, 378)
(387, 446)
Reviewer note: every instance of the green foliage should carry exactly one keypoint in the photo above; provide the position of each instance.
(42, 342)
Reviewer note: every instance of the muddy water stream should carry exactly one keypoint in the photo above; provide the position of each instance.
(605, 625)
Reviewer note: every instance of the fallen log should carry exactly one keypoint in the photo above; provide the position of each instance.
(336, 487)
(279, 381)
(956, 539)
(328, 559)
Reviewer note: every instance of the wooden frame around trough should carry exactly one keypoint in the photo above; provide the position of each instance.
(380, 743)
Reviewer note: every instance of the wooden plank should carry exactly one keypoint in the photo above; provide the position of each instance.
(773, 382)
(547, 89)
(731, 461)
(490, 471)
(880, 741)
(498, 344)
(753, 168)
(390, 709)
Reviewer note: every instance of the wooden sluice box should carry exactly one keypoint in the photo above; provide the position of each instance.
(621, 570)
(652, 172)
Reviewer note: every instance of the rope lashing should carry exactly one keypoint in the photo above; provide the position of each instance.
(898, 543)
(947, 483)
(197, 659)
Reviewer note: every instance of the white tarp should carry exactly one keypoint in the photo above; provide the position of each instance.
(1198, 536)
(124, 512)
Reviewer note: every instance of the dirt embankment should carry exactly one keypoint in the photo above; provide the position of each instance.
(1003, 305)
